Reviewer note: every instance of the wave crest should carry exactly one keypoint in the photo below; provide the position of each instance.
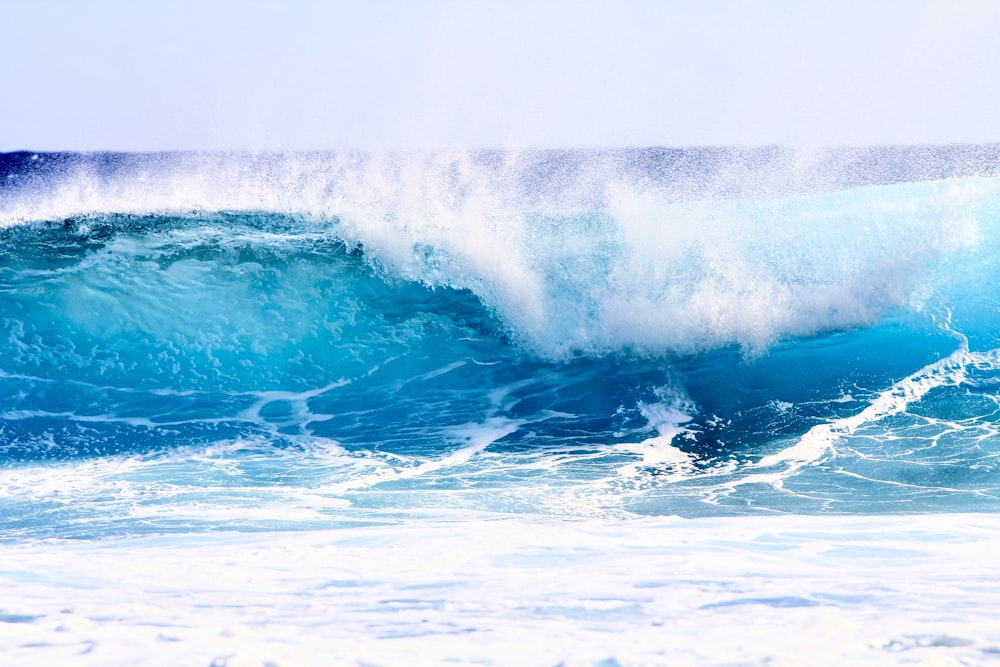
(579, 253)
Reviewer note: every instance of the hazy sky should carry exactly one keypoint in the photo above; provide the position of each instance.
(240, 74)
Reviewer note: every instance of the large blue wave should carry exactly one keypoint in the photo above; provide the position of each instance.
(708, 328)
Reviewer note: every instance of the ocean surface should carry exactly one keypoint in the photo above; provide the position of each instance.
(624, 407)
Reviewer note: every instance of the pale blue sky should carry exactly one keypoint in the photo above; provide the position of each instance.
(227, 74)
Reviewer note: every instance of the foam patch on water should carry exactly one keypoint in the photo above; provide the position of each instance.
(467, 588)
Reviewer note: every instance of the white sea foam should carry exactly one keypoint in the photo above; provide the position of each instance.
(667, 416)
(469, 588)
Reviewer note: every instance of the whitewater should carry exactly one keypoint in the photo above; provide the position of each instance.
(706, 406)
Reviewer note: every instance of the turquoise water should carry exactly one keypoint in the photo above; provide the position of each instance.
(196, 344)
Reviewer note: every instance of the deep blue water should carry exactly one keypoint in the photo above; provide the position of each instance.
(598, 333)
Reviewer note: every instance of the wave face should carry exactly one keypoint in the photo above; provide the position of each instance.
(184, 337)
